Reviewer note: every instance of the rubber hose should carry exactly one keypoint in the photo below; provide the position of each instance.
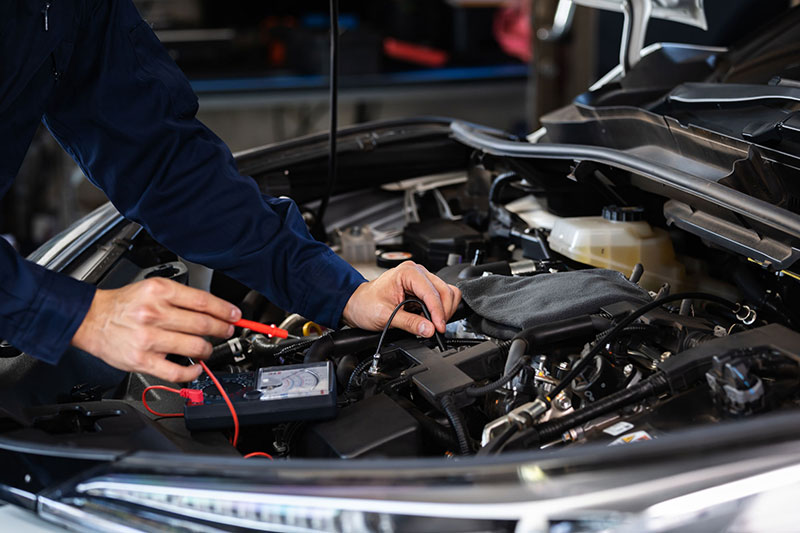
(345, 342)
(475, 392)
(499, 184)
(515, 352)
(345, 366)
(222, 354)
(562, 330)
(320, 351)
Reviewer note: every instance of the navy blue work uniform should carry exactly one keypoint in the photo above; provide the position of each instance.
(94, 72)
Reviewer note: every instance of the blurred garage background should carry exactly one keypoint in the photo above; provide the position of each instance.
(260, 70)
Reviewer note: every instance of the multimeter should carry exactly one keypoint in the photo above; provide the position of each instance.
(267, 396)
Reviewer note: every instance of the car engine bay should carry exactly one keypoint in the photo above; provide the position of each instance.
(582, 322)
(626, 274)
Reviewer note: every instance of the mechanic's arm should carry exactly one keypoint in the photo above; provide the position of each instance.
(40, 310)
(126, 114)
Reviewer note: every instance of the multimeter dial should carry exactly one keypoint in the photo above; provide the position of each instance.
(301, 379)
(290, 383)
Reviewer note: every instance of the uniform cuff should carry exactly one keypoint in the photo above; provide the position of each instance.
(57, 312)
(332, 282)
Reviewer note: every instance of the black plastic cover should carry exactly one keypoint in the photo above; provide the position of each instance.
(432, 241)
(373, 427)
(107, 425)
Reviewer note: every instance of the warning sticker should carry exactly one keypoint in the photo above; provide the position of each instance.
(618, 429)
(636, 436)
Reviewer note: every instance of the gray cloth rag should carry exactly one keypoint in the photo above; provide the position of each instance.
(523, 302)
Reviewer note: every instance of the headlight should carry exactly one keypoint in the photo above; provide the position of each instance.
(128, 503)
(752, 494)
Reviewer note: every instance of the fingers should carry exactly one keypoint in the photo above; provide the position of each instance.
(416, 281)
(161, 341)
(184, 321)
(412, 323)
(133, 328)
(449, 294)
(169, 371)
(456, 299)
(193, 299)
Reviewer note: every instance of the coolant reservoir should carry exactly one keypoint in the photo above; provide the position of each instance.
(618, 240)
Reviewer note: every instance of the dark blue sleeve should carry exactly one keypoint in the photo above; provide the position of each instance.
(40, 310)
(126, 114)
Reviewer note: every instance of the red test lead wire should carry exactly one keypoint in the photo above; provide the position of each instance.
(225, 397)
(262, 328)
(258, 454)
(193, 395)
(196, 396)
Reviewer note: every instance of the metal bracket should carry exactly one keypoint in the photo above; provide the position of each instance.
(636, 15)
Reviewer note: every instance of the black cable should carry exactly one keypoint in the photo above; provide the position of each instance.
(635, 328)
(499, 184)
(620, 327)
(427, 314)
(367, 362)
(356, 372)
(474, 392)
(457, 423)
(334, 110)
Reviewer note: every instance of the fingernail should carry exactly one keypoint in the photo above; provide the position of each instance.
(425, 330)
(230, 331)
(235, 314)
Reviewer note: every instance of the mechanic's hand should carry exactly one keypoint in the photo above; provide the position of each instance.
(372, 303)
(135, 327)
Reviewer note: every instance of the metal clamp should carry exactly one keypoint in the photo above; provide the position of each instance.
(746, 315)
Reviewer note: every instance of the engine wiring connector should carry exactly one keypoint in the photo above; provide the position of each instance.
(373, 368)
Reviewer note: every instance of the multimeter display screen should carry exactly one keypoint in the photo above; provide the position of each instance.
(276, 384)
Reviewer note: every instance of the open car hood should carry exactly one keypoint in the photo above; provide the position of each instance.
(696, 141)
